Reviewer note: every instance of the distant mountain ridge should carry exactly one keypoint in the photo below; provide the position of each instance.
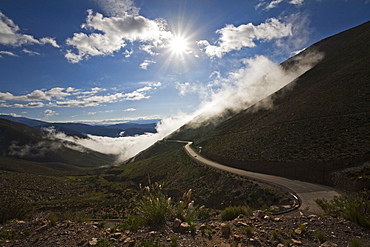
(22, 142)
(79, 129)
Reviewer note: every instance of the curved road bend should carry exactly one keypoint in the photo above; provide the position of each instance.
(307, 192)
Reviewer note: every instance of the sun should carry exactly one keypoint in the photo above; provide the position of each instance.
(179, 45)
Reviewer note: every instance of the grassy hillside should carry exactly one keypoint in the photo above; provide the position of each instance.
(319, 126)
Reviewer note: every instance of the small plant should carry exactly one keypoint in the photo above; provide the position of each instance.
(132, 223)
(225, 229)
(53, 218)
(320, 236)
(203, 213)
(274, 234)
(248, 230)
(356, 243)
(10, 235)
(302, 228)
(232, 212)
(173, 241)
(103, 243)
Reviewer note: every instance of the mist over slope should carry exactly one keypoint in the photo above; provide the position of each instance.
(22, 142)
(317, 124)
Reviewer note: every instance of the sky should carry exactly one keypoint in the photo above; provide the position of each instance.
(109, 61)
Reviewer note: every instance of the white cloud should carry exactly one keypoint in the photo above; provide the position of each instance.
(29, 105)
(130, 109)
(144, 65)
(71, 97)
(31, 53)
(10, 35)
(235, 38)
(7, 53)
(50, 113)
(267, 5)
(11, 114)
(110, 34)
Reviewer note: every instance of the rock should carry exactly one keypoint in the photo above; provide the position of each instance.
(280, 245)
(277, 219)
(203, 226)
(266, 217)
(176, 223)
(117, 235)
(298, 231)
(258, 214)
(295, 241)
(328, 244)
(237, 237)
(240, 223)
(184, 226)
(93, 241)
(225, 229)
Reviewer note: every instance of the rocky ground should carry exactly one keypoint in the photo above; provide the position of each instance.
(258, 230)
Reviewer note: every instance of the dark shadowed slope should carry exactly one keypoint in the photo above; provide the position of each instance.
(319, 125)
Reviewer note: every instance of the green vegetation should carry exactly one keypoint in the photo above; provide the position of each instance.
(320, 236)
(232, 212)
(10, 210)
(132, 223)
(154, 207)
(354, 207)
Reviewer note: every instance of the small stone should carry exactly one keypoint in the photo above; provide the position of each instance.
(267, 217)
(258, 214)
(184, 226)
(117, 235)
(202, 226)
(297, 242)
(152, 233)
(237, 237)
(328, 244)
(298, 231)
(280, 245)
(177, 222)
(127, 240)
(277, 219)
(93, 241)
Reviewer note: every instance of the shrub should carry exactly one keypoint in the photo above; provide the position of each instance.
(132, 223)
(232, 212)
(10, 235)
(173, 241)
(53, 218)
(155, 207)
(355, 243)
(12, 210)
(320, 236)
(355, 208)
(248, 230)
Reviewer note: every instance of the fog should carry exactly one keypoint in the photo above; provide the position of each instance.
(253, 83)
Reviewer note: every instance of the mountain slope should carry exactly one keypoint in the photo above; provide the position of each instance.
(319, 126)
(23, 142)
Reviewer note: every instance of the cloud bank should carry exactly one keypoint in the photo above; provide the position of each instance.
(71, 97)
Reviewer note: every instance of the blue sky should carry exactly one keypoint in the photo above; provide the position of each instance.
(108, 61)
